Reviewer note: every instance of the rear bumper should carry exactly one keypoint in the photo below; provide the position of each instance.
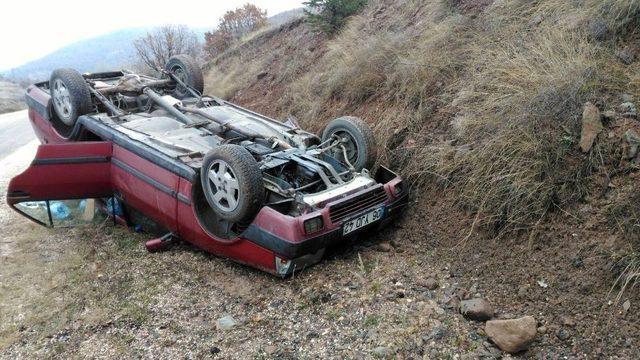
(293, 248)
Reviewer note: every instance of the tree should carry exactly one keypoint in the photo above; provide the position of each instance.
(216, 42)
(234, 25)
(155, 49)
(331, 15)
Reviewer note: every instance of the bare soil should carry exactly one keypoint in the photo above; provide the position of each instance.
(95, 292)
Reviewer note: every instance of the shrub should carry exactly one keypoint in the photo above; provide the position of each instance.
(234, 25)
(331, 15)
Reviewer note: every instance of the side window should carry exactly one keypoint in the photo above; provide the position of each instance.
(36, 210)
(68, 213)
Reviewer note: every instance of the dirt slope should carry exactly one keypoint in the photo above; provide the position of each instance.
(452, 90)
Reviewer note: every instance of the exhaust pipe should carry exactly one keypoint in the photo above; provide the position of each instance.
(156, 98)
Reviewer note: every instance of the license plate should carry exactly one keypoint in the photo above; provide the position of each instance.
(362, 221)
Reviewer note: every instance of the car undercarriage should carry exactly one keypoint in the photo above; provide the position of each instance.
(246, 177)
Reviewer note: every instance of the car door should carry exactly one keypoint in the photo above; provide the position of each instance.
(62, 182)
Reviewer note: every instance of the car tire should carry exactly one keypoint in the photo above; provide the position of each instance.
(70, 96)
(186, 69)
(361, 146)
(235, 193)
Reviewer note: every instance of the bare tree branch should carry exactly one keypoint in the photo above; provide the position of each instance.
(155, 48)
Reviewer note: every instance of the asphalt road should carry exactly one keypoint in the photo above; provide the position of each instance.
(15, 131)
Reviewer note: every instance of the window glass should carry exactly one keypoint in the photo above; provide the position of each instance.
(67, 213)
(36, 210)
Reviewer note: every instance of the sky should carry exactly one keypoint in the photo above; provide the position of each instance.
(30, 29)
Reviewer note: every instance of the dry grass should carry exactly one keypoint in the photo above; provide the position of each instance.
(517, 96)
(225, 83)
(482, 98)
(509, 83)
(521, 111)
(624, 215)
(622, 16)
(45, 287)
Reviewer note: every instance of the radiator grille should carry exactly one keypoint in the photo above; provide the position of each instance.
(357, 204)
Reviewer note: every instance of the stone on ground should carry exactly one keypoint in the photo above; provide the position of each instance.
(513, 335)
(226, 322)
(476, 309)
(591, 126)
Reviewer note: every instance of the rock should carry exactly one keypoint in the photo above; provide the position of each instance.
(628, 107)
(563, 334)
(577, 261)
(591, 126)
(542, 330)
(270, 349)
(214, 350)
(438, 333)
(476, 309)
(626, 97)
(384, 247)
(626, 56)
(456, 273)
(567, 321)
(382, 352)
(497, 354)
(609, 115)
(226, 322)
(430, 283)
(463, 149)
(473, 289)
(523, 291)
(598, 29)
(261, 75)
(513, 335)
(537, 20)
(633, 139)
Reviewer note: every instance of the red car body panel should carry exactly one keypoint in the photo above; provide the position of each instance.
(93, 169)
(73, 176)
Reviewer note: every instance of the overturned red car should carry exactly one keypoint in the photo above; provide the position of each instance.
(233, 182)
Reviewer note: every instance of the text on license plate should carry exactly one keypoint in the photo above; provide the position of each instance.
(362, 221)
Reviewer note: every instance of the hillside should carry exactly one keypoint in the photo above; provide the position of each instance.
(11, 97)
(514, 122)
(106, 52)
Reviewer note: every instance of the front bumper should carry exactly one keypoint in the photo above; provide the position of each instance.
(311, 246)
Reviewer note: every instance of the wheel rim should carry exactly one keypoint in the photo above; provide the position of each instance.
(62, 101)
(179, 72)
(223, 186)
(349, 145)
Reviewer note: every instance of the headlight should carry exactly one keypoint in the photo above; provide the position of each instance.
(398, 188)
(313, 225)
